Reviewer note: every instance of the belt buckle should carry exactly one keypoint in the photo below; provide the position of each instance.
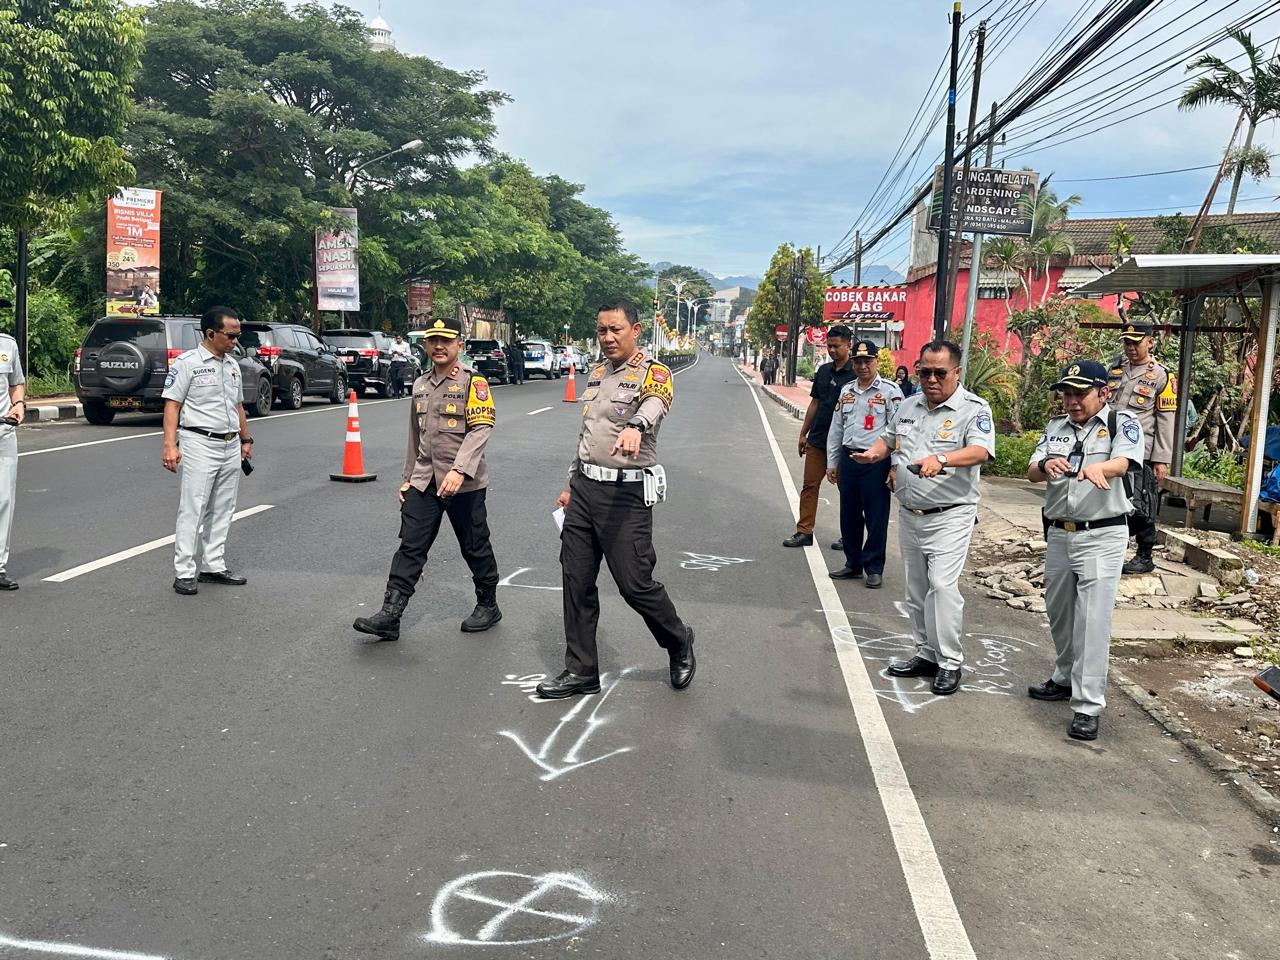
(918, 513)
(1069, 526)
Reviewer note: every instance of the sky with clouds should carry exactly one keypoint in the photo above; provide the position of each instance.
(714, 130)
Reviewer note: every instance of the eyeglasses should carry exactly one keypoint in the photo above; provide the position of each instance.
(933, 373)
(230, 336)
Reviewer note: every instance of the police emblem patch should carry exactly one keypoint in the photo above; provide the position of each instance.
(1102, 434)
(983, 422)
(169, 378)
(451, 408)
(452, 422)
(4, 358)
(1130, 430)
(946, 424)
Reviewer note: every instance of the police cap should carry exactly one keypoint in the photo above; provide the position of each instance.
(448, 327)
(865, 348)
(1136, 329)
(1081, 375)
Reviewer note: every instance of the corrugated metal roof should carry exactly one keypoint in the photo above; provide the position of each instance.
(1205, 273)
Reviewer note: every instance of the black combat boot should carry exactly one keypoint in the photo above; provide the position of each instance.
(486, 613)
(385, 624)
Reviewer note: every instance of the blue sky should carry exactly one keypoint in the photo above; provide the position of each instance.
(714, 130)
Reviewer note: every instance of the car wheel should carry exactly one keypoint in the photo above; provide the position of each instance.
(261, 405)
(292, 398)
(381, 389)
(339, 390)
(98, 413)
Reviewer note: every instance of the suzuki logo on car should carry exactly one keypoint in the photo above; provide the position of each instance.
(119, 365)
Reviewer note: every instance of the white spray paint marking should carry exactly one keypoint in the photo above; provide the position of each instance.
(528, 683)
(902, 609)
(553, 768)
(137, 551)
(539, 410)
(73, 950)
(708, 561)
(506, 581)
(561, 904)
(935, 908)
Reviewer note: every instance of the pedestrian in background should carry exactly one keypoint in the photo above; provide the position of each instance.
(608, 500)
(13, 410)
(401, 353)
(903, 380)
(1142, 385)
(828, 384)
(1083, 457)
(203, 396)
(862, 414)
(515, 363)
(768, 366)
(939, 439)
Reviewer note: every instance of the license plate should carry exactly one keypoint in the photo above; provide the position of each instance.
(125, 402)
(349, 359)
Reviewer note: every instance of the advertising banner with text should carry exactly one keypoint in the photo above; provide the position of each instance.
(999, 201)
(420, 298)
(133, 253)
(864, 305)
(337, 271)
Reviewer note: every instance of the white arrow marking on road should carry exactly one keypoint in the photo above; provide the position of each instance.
(539, 410)
(570, 760)
(137, 551)
(506, 581)
(74, 950)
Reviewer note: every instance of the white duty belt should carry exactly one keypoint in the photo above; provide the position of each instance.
(610, 474)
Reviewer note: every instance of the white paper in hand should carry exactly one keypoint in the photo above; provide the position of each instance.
(558, 516)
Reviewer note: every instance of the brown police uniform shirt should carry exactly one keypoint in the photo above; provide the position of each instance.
(1149, 392)
(640, 389)
(449, 424)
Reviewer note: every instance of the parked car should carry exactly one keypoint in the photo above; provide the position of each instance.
(580, 359)
(489, 359)
(123, 361)
(300, 364)
(540, 357)
(367, 356)
(569, 357)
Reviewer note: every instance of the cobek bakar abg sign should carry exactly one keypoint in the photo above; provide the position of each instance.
(998, 201)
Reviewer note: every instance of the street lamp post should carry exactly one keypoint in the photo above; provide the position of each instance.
(679, 285)
(403, 148)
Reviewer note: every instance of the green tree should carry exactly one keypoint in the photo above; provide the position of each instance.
(772, 305)
(694, 286)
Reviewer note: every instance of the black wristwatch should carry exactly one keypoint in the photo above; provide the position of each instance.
(637, 425)
(248, 440)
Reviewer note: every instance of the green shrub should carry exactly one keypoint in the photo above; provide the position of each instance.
(1013, 453)
(1202, 464)
(53, 385)
(805, 368)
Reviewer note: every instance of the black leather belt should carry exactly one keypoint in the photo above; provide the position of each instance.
(929, 511)
(225, 437)
(1072, 526)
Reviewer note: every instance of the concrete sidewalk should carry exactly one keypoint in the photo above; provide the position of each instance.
(795, 399)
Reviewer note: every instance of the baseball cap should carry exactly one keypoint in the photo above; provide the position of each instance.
(865, 348)
(448, 327)
(1136, 329)
(1082, 374)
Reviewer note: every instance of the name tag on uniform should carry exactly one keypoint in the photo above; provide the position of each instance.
(847, 398)
(877, 399)
(204, 380)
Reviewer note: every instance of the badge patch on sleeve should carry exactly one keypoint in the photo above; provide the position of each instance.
(983, 422)
(1131, 430)
(170, 377)
(480, 412)
(657, 383)
(1168, 399)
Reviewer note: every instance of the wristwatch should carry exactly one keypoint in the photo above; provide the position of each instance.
(248, 440)
(637, 425)
(941, 458)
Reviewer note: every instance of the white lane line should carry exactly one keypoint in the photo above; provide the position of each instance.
(74, 950)
(137, 551)
(944, 934)
(539, 410)
(159, 433)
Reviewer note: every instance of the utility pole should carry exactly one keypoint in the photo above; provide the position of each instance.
(975, 263)
(857, 258)
(948, 185)
(954, 266)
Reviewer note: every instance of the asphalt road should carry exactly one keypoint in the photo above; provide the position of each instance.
(237, 775)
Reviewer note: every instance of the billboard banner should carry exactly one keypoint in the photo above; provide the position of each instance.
(864, 305)
(420, 297)
(337, 272)
(133, 253)
(999, 201)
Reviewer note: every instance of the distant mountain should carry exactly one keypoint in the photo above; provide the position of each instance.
(720, 283)
(873, 275)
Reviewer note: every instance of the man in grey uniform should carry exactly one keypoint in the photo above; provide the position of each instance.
(13, 409)
(202, 396)
(1084, 456)
(939, 438)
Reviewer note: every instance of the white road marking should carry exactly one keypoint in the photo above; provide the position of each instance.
(160, 433)
(142, 548)
(506, 581)
(74, 950)
(539, 410)
(944, 934)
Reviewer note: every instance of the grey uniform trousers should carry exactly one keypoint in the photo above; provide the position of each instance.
(1081, 575)
(934, 549)
(8, 488)
(210, 476)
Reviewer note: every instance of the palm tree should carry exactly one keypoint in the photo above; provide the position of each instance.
(1048, 239)
(1255, 93)
(1007, 255)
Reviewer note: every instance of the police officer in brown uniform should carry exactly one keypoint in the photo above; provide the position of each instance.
(445, 474)
(1141, 385)
(613, 483)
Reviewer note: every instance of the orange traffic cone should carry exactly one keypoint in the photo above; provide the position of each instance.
(353, 454)
(570, 394)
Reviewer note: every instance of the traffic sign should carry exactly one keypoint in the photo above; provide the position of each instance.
(781, 331)
(816, 335)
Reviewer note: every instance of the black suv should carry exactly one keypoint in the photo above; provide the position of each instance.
(490, 359)
(367, 354)
(123, 362)
(300, 364)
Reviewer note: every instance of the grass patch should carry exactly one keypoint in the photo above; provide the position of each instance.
(1266, 549)
(1013, 453)
(50, 386)
(1203, 464)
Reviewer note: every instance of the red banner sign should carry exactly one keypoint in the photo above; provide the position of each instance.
(864, 305)
(420, 296)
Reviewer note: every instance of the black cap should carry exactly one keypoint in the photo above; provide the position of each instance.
(1136, 329)
(1082, 374)
(448, 327)
(865, 348)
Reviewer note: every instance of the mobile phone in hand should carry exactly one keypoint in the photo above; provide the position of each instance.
(246, 467)
(11, 420)
(1268, 681)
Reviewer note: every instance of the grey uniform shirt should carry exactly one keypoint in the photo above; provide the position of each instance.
(861, 416)
(915, 431)
(1147, 391)
(208, 388)
(640, 389)
(10, 371)
(1070, 498)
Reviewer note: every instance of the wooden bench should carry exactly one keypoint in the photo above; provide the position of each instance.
(1202, 494)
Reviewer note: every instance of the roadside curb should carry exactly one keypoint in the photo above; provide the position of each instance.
(1259, 800)
(60, 411)
(795, 410)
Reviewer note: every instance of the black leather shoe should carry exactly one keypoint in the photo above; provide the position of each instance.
(567, 685)
(798, 539)
(875, 581)
(185, 586)
(1139, 564)
(6, 583)
(846, 573)
(946, 682)
(1049, 691)
(683, 663)
(482, 618)
(837, 545)
(223, 577)
(1083, 727)
(915, 667)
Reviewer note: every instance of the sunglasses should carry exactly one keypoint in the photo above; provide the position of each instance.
(230, 336)
(934, 373)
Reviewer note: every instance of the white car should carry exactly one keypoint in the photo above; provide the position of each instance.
(540, 357)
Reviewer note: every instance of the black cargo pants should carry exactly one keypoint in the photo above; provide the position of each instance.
(420, 517)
